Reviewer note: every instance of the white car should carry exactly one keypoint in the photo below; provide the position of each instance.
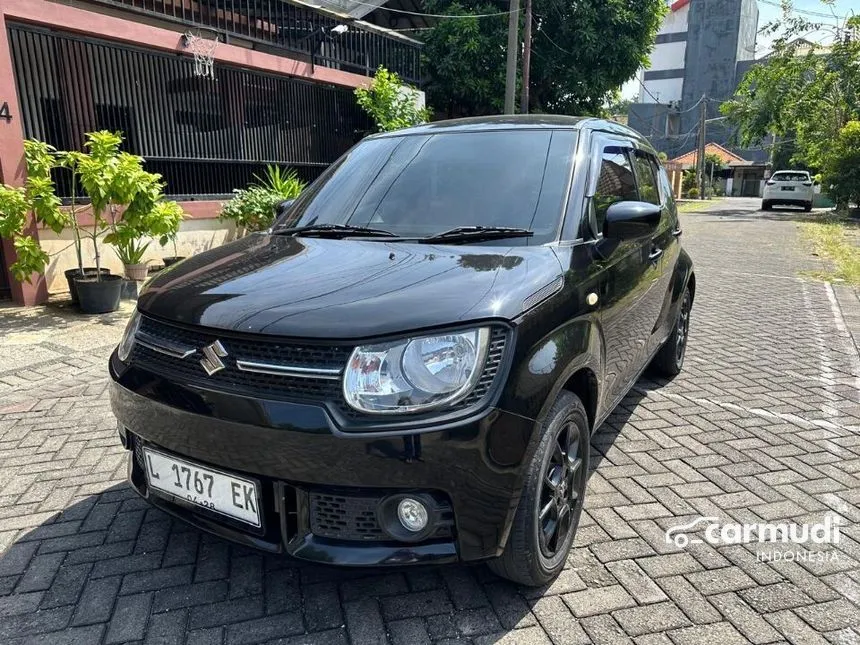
(788, 187)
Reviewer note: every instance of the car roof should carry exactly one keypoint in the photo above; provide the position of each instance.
(518, 122)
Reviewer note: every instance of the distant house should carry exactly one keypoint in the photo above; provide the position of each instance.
(739, 177)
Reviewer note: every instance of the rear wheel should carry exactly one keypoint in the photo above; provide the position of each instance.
(765, 206)
(670, 359)
(551, 503)
(808, 207)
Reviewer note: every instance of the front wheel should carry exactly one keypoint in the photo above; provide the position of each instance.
(765, 206)
(670, 359)
(808, 207)
(551, 503)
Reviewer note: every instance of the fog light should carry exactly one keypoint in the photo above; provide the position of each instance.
(412, 514)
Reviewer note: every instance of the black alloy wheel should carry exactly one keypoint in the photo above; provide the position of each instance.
(548, 514)
(670, 359)
(560, 499)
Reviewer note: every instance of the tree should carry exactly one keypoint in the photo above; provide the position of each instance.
(575, 67)
(804, 95)
(842, 166)
(390, 103)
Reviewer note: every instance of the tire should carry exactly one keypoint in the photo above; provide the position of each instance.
(670, 359)
(808, 207)
(765, 206)
(528, 559)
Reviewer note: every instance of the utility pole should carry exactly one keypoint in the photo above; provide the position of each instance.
(513, 45)
(527, 58)
(700, 156)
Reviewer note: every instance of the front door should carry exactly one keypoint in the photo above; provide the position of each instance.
(631, 272)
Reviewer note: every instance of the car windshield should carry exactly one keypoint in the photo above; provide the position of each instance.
(790, 176)
(419, 185)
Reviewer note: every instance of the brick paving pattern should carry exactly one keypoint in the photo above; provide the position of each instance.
(762, 425)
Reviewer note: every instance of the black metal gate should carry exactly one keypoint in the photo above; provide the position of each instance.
(205, 136)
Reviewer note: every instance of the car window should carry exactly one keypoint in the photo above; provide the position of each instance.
(418, 185)
(666, 192)
(790, 176)
(647, 182)
(615, 183)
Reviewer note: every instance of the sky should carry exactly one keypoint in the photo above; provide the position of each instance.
(770, 11)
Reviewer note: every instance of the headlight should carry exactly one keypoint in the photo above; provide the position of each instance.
(127, 342)
(415, 374)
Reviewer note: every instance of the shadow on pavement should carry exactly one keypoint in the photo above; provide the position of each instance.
(110, 568)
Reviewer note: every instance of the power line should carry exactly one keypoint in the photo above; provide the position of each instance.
(434, 15)
(807, 12)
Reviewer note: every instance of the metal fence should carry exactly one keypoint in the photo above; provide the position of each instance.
(205, 136)
(296, 28)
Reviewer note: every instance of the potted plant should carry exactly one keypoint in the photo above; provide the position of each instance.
(69, 161)
(130, 252)
(37, 196)
(113, 180)
(254, 208)
(167, 218)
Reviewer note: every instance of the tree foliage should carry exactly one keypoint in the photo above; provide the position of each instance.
(806, 96)
(390, 103)
(842, 166)
(582, 51)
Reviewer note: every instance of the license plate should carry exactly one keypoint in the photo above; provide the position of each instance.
(788, 187)
(229, 495)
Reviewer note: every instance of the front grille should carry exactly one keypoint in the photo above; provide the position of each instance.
(353, 517)
(345, 518)
(272, 351)
(257, 349)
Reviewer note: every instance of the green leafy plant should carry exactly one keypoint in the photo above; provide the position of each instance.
(253, 208)
(37, 197)
(693, 193)
(842, 166)
(391, 104)
(126, 200)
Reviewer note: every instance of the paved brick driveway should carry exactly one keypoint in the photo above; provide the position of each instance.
(763, 425)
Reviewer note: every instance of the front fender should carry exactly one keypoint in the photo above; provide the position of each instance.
(543, 365)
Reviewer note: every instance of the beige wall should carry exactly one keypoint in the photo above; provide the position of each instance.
(195, 236)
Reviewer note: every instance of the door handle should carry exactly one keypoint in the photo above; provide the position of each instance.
(655, 255)
(677, 232)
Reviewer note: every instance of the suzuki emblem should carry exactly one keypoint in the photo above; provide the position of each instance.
(212, 355)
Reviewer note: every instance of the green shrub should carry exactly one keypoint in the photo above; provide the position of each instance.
(693, 193)
(391, 104)
(842, 166)
(253, 208)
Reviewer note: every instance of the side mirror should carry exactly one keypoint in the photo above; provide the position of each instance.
(631, 220)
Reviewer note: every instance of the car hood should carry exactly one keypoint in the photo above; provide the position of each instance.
(324, 288)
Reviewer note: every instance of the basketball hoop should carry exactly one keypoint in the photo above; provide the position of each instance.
(204, 53)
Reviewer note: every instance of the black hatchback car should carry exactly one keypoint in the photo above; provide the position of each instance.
(408, 366)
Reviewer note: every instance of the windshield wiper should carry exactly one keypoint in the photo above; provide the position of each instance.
(333, 230)
(472, 233)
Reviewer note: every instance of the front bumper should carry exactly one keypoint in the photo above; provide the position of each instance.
(291, 450)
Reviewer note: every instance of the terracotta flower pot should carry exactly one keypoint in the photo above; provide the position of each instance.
(136, 272)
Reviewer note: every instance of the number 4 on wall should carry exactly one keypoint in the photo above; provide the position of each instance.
(4, 112)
